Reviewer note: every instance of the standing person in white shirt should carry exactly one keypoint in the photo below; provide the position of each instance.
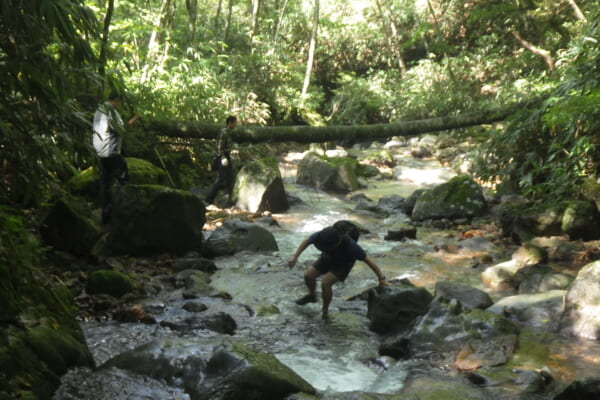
(107, 139)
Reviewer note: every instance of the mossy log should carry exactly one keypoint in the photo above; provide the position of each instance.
(316, 134)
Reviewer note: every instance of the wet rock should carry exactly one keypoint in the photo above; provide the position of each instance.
(153, 219)
(392, 203)
(335, 175)
(469, 297)
(446, 328)
(259, 187)
(581, 317)
(133, 314)
(437, 386)
(219, 322)
(503, 276)
(394, 309)
(410, 201)
(229, 370)
(585, 389)
(400, 232)
(490, 352)
(460, 197)
(197, 263)
(195, 307)
(235, 236)
(541, 278)
(540, 309)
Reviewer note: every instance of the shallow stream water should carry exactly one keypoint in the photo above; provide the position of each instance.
(337, 355)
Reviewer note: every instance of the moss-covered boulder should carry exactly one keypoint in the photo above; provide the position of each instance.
(106, 281)
(328, 174)
(150, 219)
(579, 219)
(460, 197)
(259, 187)
(229, 370)
(69, 226)
(39, 336)
(141, 172)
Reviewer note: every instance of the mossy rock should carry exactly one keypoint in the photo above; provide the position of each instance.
(69, 226)
(460, 197)
(111, 282)
(151, 219)
(330, 174)
(141, 172)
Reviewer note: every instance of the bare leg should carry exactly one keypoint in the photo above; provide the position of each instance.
(327, 281)
(310, 279)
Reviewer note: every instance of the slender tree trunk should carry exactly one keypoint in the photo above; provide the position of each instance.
(577, 11)
(391, 34)
(192, 8)
(218, 15)
(318, 134)
(440, 37)
(105, 32)
(255, 12)
(280, 19)
(152, 54)
(311, 52)
(228, 24)
(545, 54)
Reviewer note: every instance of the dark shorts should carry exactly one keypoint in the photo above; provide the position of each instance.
(327, 263)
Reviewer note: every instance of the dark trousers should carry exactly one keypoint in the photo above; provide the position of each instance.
(111, 168)
(224, 180)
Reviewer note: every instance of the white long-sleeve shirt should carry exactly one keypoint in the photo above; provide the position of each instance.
(108, 130)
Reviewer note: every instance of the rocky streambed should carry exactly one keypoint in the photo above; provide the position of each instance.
(453, 325)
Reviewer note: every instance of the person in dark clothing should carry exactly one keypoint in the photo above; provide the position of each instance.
(339, 252)
(222, 161)
(107, 140)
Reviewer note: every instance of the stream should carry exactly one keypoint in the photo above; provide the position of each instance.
(338, 355)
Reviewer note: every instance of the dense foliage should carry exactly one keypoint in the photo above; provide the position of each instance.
(376, 61)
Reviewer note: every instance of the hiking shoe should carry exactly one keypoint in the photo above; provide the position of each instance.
(309, 298)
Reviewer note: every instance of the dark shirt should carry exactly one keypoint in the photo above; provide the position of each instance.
(346, 253)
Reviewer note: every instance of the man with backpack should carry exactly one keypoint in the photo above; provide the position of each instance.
(339, 252)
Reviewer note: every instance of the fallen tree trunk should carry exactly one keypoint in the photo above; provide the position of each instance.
(315, 134)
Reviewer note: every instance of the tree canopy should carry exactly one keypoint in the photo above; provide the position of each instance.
(327, 63)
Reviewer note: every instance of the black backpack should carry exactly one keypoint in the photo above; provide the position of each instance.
(348, 228)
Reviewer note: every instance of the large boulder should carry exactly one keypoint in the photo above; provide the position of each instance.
(141, 172)
(150, 219)
(447, 327)
(395, 309)
(582, 303)
(328, 174)
(502, 276)
(214, 370)
(235, 236)
(460, 197)
(69, 227)
(259, 187)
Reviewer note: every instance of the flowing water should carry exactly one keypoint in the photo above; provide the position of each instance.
(337, 355)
